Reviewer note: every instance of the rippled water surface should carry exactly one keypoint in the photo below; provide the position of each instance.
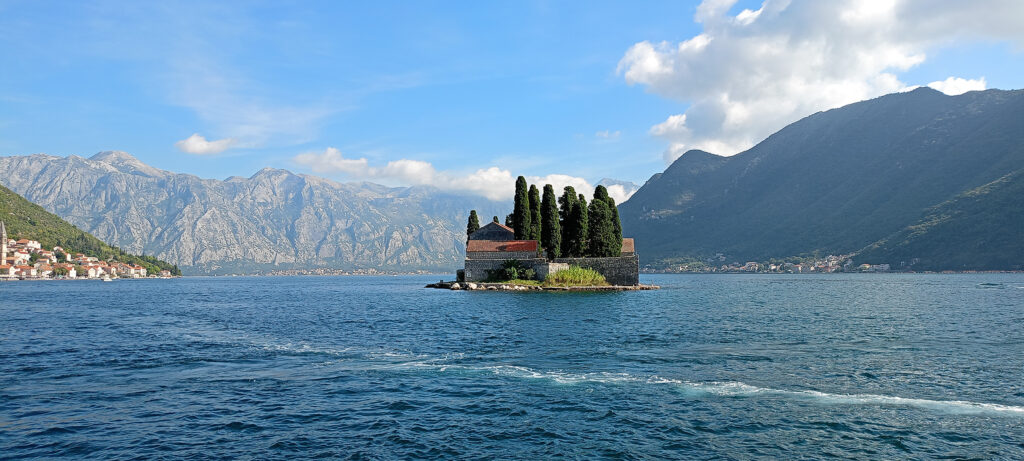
(730, 366)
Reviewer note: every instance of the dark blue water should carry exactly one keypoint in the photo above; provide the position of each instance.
(731, 366)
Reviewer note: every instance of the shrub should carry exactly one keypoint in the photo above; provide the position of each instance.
(511, 269)
(575, 276)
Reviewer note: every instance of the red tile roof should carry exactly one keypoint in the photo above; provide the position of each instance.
(501, 246)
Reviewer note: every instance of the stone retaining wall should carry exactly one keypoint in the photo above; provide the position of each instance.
(621, 270)
(476, 269)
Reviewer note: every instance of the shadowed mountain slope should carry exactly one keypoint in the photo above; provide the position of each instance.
(834, 182)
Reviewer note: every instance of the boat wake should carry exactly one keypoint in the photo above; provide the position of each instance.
(734, 389)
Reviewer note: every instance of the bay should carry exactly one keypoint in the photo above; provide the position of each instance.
(710, 366)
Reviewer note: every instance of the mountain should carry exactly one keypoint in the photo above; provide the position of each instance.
(834, 182)
(24, 219)
(981, 229)
(273, 220)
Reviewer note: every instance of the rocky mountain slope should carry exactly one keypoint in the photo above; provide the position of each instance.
(273, 220)
(834, 182)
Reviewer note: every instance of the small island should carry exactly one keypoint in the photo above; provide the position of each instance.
(550, 244)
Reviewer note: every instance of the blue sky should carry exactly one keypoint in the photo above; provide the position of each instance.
(461, 94)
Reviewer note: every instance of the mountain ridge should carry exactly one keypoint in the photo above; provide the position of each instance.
(835, 181)
(273, 220)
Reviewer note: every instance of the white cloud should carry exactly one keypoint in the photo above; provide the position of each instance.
(197, 144)
(620, 193)
(954, 85)
(608, 134)
(748, 75)
(493, 183)
(241, 108)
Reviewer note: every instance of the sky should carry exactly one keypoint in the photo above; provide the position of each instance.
(465, 96)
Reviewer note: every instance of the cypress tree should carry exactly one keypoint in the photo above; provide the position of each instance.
(574, 243)
(535, 219)
(601, 193)
(582, 227)
(616, 223)
(509, 221)
(473, 225)
(566, 203)
(521, 210)
(550, 232)
(600, 229)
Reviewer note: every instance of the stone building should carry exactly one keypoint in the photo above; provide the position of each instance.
(490, 246)
(3, 242)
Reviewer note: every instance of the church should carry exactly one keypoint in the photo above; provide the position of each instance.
(493, 244)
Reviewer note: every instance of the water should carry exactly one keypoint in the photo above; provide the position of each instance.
(730, 366)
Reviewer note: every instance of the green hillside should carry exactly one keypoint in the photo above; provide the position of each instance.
(981, 229)
(25, 219)
(837, 182)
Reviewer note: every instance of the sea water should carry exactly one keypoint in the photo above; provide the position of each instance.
(710, 366)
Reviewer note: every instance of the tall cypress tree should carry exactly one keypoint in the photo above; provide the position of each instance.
(600, 232)
(582, 227)
(577, 235)
(521, 210)
(535, 219)
(566, 203)
(550, 230)
(601, 193)
(473, 225)
(616, 223)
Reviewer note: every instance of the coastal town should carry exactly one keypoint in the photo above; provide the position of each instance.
(811, 265)
(25, 259)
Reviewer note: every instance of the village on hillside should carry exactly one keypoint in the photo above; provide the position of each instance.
(26, 259)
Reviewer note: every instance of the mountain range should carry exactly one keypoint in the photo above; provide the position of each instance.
(273, 220)
(919, 180)
(913, 178)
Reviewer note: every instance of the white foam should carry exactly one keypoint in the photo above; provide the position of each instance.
(945, 406)
(737, 389)
(400, 360)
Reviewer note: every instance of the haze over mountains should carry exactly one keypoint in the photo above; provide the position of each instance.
(849, 178)
(273, 220)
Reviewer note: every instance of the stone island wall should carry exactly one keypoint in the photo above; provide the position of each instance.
(620, 270)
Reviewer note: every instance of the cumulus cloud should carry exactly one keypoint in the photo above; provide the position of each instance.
(748, 75)
(620, 193)
(955, 85)
(197, 144)
(493, 183)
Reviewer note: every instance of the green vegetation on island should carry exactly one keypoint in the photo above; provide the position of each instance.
(26, 220)
(568, 227)
(575, 276)
(513, 272)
